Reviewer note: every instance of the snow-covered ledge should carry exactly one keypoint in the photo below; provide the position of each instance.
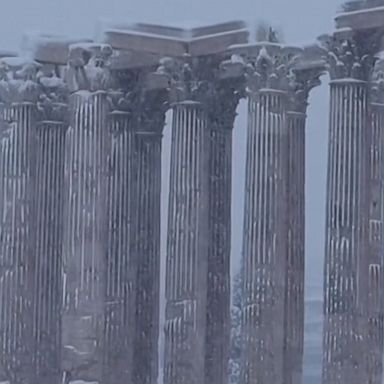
(367, 18)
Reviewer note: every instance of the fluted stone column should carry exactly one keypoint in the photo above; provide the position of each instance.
(222, 112)
(304, 80)
(18, 229)
(121, 262)
(187, 249)
(376, 245)
(265, 238)
(187, 245)
(294, 293)
(85, 225)
(120, 277)
(148, 146)
(347, 210)
(50, 156)
(265, 217)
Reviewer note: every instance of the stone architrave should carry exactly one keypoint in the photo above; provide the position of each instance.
(350, 60)
(226, 93)
(19, 92)
(49, 201)
(187, 246)
(376, 243)
(266, 211)
(85, 215)
(303, 79)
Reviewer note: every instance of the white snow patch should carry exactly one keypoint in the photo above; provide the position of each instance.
(18, 61)
(363, 10)
(83, 382)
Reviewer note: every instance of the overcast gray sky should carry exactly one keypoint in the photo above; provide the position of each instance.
(300, 20)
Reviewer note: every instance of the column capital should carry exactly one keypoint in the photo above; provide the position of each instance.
(302, 81)
(143, 93)
(151, 114)
(53, 99)
(350, 56)
(194, 78)
(89, 67)
(18, 80)
(268, 65)
(224, 101)
(377, 83)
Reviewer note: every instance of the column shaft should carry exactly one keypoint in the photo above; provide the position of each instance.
(346, 268)
(375, 288)
(84, 275)
(187, 249)
(295, 269)
(148, 147)
(121, 261)
(265, 238)
(17, 242)
(50, 155)
(218, 301)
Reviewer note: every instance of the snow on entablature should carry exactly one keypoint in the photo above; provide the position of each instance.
(47, 48)
(122, 59)
(18, 62)
(171, 41)
(367, 18)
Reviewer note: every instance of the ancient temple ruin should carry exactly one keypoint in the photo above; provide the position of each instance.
(80, 178)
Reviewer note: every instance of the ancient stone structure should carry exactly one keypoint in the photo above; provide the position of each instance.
(350, 277)
(278, 84)
(80, 179)
(85, 213)
(221, 116)
(375, 292)
(265, 220)
(305, 77)
(18, 229)
(49, 200)
(150, 126)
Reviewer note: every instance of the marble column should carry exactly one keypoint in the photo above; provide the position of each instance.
(150, 124)
(85, 224)
(50, 155)
(265, 218)
(376, 245)
(304, 80)
(187, 245)
(18, 226)
(222, 113)
(347, 210)
(121, 261)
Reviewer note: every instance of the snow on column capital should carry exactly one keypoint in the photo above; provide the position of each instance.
(88, 67)
(350, 58)
(85, 217)
(19, 92)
